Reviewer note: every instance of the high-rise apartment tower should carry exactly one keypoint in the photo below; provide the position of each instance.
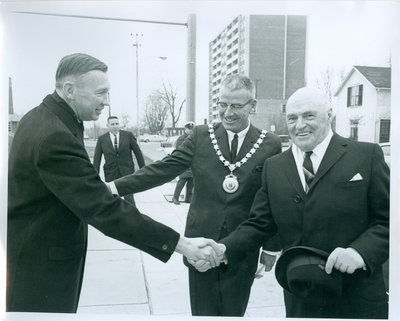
(271, 50)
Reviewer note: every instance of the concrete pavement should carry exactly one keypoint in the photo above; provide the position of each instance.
(120, 279)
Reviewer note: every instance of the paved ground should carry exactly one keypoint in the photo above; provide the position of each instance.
(123, 280)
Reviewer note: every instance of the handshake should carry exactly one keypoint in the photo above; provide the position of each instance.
(201, 252)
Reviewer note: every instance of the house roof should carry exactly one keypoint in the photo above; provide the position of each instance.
(379, 77)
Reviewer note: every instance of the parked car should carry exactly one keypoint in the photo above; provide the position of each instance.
(169, 142)
(286, 142)
(151, 138)
(386, 152)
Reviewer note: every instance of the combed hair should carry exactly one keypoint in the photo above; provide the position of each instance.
(77, 64)
(237, 82)
(111, 117)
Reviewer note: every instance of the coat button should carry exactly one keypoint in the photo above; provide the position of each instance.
(165, 247)
(297, 199)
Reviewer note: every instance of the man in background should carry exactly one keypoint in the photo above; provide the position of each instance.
(186, 177)
(117, 146)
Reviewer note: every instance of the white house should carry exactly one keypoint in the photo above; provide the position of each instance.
(363, 104)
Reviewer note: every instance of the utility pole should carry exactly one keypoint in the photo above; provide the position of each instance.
(136, 44)
(191, 69)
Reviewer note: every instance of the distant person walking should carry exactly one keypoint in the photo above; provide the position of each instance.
(117, 146)
(187, 176)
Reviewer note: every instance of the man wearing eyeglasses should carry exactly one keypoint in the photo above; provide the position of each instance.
(226, 160)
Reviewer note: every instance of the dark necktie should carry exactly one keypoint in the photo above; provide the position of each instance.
(308, 169)
(234, 146)
(115, 142)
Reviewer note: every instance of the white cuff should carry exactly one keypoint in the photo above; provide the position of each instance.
(274, 253)
(112, 187)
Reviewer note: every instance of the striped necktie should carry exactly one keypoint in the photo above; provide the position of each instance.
(308, 169)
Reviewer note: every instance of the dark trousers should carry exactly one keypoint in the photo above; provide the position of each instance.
(189, 188)
(222, 291)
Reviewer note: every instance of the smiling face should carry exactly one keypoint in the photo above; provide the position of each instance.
(235, 118)
(113, 125)
(308, 118)
(90, 95)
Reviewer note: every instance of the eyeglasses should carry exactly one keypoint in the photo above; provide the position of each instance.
(223, 105)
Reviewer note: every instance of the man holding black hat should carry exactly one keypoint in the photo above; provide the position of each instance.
(328, 198)
(186, 177)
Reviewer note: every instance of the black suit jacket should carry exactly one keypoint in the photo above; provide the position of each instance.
(117, 162)
(336, 212)
(53, 193)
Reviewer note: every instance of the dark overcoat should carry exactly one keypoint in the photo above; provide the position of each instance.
(54, 192)
(336, 212)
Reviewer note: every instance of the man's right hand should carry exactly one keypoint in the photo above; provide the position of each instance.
(203, 265)
(200, 248)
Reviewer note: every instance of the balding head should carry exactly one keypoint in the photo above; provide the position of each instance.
(308, 117)
(308, 96)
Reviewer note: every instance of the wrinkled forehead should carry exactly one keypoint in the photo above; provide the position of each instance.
(307, 99)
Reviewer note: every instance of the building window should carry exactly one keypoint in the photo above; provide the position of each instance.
(354, 129)
(354, 95)
(283, 108)
(384, 133)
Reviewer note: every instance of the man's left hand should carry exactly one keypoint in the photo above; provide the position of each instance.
(345, 260)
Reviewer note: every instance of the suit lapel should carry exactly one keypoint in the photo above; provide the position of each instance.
(222, 138)
(121, 139)
(290, 168)
(248, 142)
(334, 152)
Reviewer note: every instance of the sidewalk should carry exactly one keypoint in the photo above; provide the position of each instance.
(120, 279)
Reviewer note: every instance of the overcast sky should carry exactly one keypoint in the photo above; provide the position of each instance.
(340, 34)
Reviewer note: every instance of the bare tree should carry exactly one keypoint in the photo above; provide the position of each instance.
(156, 112)
(329, 81)
(125, 119)
(169, 97)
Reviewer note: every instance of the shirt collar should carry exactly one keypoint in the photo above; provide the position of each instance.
(318, 150)
(240, 134)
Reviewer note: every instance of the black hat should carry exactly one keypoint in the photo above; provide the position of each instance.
(298, 271)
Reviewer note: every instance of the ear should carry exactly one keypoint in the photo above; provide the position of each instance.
(253, 105)
(330, 113)
(69, 89)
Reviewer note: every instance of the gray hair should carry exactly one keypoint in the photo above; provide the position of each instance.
(237, 82)
(77, 64)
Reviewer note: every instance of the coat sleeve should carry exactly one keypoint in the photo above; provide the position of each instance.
(66, 171)
(98, 152)
(136, 150)
(160, 172)
(373, 244)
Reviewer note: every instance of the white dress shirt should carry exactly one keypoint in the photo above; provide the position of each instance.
(316, 156)
(241, 136)
(112, 138)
